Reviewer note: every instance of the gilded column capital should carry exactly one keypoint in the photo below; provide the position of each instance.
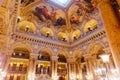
(90, 57)
(107, 50)
(86, 56)
(71, 60)
(7, 52)
(55, 58)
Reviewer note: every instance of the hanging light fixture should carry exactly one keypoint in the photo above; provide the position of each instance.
(105, 57)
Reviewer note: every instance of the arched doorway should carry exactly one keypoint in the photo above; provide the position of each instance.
(43, 67)
(43, 63)
(19, 63)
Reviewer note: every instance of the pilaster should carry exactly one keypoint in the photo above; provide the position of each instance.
(32, 66)
(91, 65)
(71, 68)
(54, 62)
(112, 27)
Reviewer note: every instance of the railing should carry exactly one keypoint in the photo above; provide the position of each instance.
(18, 70)
(61, 71)
(43, 70)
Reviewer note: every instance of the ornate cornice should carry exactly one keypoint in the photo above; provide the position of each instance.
(39, 40)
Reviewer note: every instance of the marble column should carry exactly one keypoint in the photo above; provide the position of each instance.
(112, 27)
(69, 71)
(79, 70)
(90, 60)
(74, 65)
(55, 71)
(5, 62)
(32, 66)
(54, 66)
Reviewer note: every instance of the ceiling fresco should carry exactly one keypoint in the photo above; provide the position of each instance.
(66, 23)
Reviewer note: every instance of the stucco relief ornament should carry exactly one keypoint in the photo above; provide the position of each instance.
(95, 2)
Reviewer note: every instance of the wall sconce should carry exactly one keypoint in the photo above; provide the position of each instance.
(47, 34)
(89, 28)
(40, 56)
(20, 54)
(18, 19)
(63, 39)
(27, 28)
(75, 37)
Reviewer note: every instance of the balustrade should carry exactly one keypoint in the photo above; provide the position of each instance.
(18, 70)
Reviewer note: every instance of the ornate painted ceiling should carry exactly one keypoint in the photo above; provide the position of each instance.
(59, 20)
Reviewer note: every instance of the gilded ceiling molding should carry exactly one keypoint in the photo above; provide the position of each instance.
(4, 20)
(24, 10)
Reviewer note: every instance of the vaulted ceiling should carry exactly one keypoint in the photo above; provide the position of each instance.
(62, 20)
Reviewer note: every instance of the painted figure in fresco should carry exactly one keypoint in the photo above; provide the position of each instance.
(78, 15)
(60, 22)
(53, 15)
(87, 6)
(76, 18)
(43, 14)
